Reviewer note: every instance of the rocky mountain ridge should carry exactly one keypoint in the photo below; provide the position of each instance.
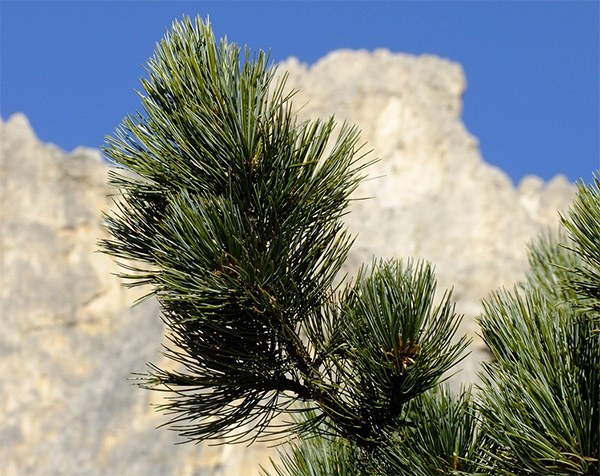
(70, 337)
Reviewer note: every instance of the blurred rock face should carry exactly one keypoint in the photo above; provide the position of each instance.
(70, 337)
(433, 196)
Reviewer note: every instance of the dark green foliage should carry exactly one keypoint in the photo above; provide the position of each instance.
(396, 343)
(537, 409)
(442, 437)
(583, 225)
(312, 455)
(232, 210)
(445, 437)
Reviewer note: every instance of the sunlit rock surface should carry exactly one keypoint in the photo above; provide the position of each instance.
(433, 196)
(70, 338)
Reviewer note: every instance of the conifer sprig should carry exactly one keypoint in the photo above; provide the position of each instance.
(540, 399)
(397, 343)
(582, 223)
(230, 210)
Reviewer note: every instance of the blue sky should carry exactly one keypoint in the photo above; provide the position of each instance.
(532, 67)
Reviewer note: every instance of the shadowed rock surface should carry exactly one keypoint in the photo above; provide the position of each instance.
(70, 338)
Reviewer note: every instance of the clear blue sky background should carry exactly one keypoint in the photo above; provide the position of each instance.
(532, 66)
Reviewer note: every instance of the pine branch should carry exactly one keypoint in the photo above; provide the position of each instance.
(582, 223)
(540, 395)
(231, 211)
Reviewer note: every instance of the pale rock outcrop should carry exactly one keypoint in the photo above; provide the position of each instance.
(70, 338)
(433, 196)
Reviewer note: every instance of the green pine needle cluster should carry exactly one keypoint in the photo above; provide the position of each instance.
(232, 209)
(396, 342)
(229, 211)
(440, 436)
(541, 394)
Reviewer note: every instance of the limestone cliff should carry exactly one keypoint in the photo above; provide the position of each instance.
(433, 196)
(70, 338)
